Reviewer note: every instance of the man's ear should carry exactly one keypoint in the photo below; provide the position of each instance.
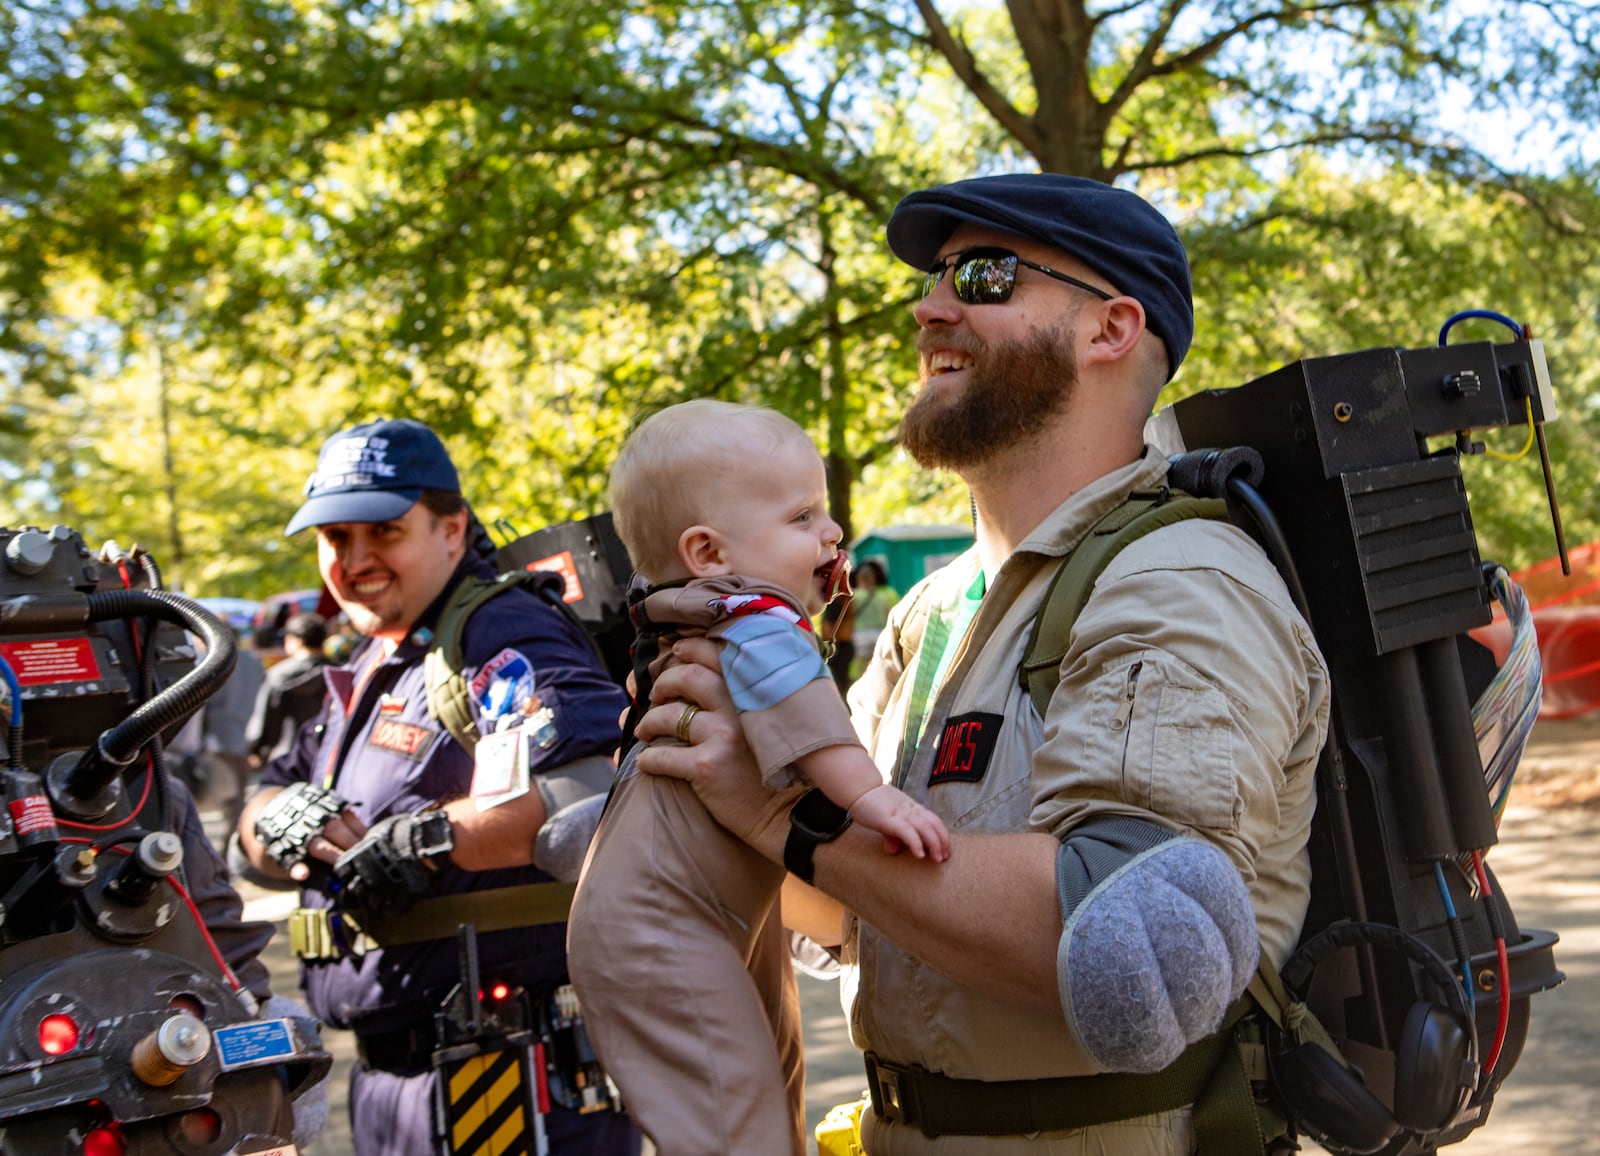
(455, 530)
(700, 550)
(1121, 324)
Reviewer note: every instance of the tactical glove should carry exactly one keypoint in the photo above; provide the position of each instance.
(293, 817)
(394, 862)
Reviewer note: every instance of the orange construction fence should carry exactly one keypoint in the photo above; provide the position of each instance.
(1566, 617)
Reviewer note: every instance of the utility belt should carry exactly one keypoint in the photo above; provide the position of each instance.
(406, 1051)
(1210, 1075)
(941, 1105)
(320, 933)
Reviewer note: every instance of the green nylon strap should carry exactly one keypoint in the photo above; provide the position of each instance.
(499, 909)
(1226, 1122)
(1069, 590)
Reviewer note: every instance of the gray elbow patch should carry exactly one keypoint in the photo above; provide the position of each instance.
(1153, 950)
(562, 786)
(563, 842)
(574, 796)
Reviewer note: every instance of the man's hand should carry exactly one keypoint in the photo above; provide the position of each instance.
(302, 828)
(716, 763)
(394, 862)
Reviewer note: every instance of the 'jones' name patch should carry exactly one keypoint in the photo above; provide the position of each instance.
(965, 748)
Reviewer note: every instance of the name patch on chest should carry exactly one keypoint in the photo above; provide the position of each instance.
(402, 738)
(965, 748)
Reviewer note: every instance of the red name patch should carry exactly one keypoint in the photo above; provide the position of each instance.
(402, 738)
(965, 748)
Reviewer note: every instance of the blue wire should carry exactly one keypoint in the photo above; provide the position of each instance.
(1450, 914)
(16, 692)
(1485, 314)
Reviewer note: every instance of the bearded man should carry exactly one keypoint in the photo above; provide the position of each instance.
(1118, 858)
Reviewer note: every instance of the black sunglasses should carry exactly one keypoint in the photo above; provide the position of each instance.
(987, 276)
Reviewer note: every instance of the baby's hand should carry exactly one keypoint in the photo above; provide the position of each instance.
(902, 821)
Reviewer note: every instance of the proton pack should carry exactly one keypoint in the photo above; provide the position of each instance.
(1410, 957)
(122, 1027)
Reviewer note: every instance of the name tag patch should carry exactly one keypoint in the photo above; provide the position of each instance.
(402, 738)
(965, 748)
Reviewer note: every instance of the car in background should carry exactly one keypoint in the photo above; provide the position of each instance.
(239, 613)
(274, 613)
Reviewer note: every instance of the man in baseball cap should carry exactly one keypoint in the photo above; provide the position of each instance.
(1120, 849)
(387, 802)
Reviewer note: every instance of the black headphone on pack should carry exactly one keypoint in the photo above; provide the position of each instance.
(1435, 1054)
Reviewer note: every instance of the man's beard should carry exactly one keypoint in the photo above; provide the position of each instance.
(1013, 388)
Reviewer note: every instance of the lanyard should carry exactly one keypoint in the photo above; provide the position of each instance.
(946, 622)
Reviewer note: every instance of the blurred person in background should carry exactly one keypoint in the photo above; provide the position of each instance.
(293, 691)
(870, 605)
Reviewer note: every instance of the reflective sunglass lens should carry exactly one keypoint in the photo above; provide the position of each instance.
(986, 280)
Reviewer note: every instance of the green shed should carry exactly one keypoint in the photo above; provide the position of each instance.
(910, 553)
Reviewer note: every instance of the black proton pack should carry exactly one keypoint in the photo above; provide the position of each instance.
(1410, 956)
(122, 1029)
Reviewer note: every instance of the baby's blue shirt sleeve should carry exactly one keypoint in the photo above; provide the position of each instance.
(765, 660)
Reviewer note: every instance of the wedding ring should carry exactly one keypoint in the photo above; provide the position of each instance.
(684, 720)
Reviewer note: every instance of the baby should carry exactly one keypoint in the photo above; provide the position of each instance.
(675, 944)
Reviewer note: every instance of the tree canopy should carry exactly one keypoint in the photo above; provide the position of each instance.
(231, 227)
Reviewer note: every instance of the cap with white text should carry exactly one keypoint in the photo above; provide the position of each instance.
(374, 473)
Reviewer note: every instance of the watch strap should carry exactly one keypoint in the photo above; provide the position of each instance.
(815, 819)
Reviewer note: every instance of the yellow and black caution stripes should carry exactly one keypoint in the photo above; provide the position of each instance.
(490, 1104)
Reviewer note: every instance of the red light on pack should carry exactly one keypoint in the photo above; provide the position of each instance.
(58, 1035)
(106, 1141)
(201, 1126)
(499, 991)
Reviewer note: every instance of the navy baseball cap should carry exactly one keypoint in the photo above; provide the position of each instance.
(373, 473)
(1116, 233)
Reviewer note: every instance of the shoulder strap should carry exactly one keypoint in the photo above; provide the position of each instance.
(1142, 513)
(448, 698)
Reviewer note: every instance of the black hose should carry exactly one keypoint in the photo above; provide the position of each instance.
(121, 744)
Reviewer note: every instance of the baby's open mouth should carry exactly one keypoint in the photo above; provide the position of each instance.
(835, 576)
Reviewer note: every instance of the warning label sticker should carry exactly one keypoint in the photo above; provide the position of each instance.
(563, 565)
(48, 660)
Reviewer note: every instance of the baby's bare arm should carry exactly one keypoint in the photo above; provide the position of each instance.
(848, 776)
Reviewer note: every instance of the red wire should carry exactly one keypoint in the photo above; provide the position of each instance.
(205, 932)
(1505, 975)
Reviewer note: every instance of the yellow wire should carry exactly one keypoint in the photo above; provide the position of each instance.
(1528, 445)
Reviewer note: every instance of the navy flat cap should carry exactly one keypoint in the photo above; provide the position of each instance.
(1116, 233)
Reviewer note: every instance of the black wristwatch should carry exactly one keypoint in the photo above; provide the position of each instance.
(814, 820)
